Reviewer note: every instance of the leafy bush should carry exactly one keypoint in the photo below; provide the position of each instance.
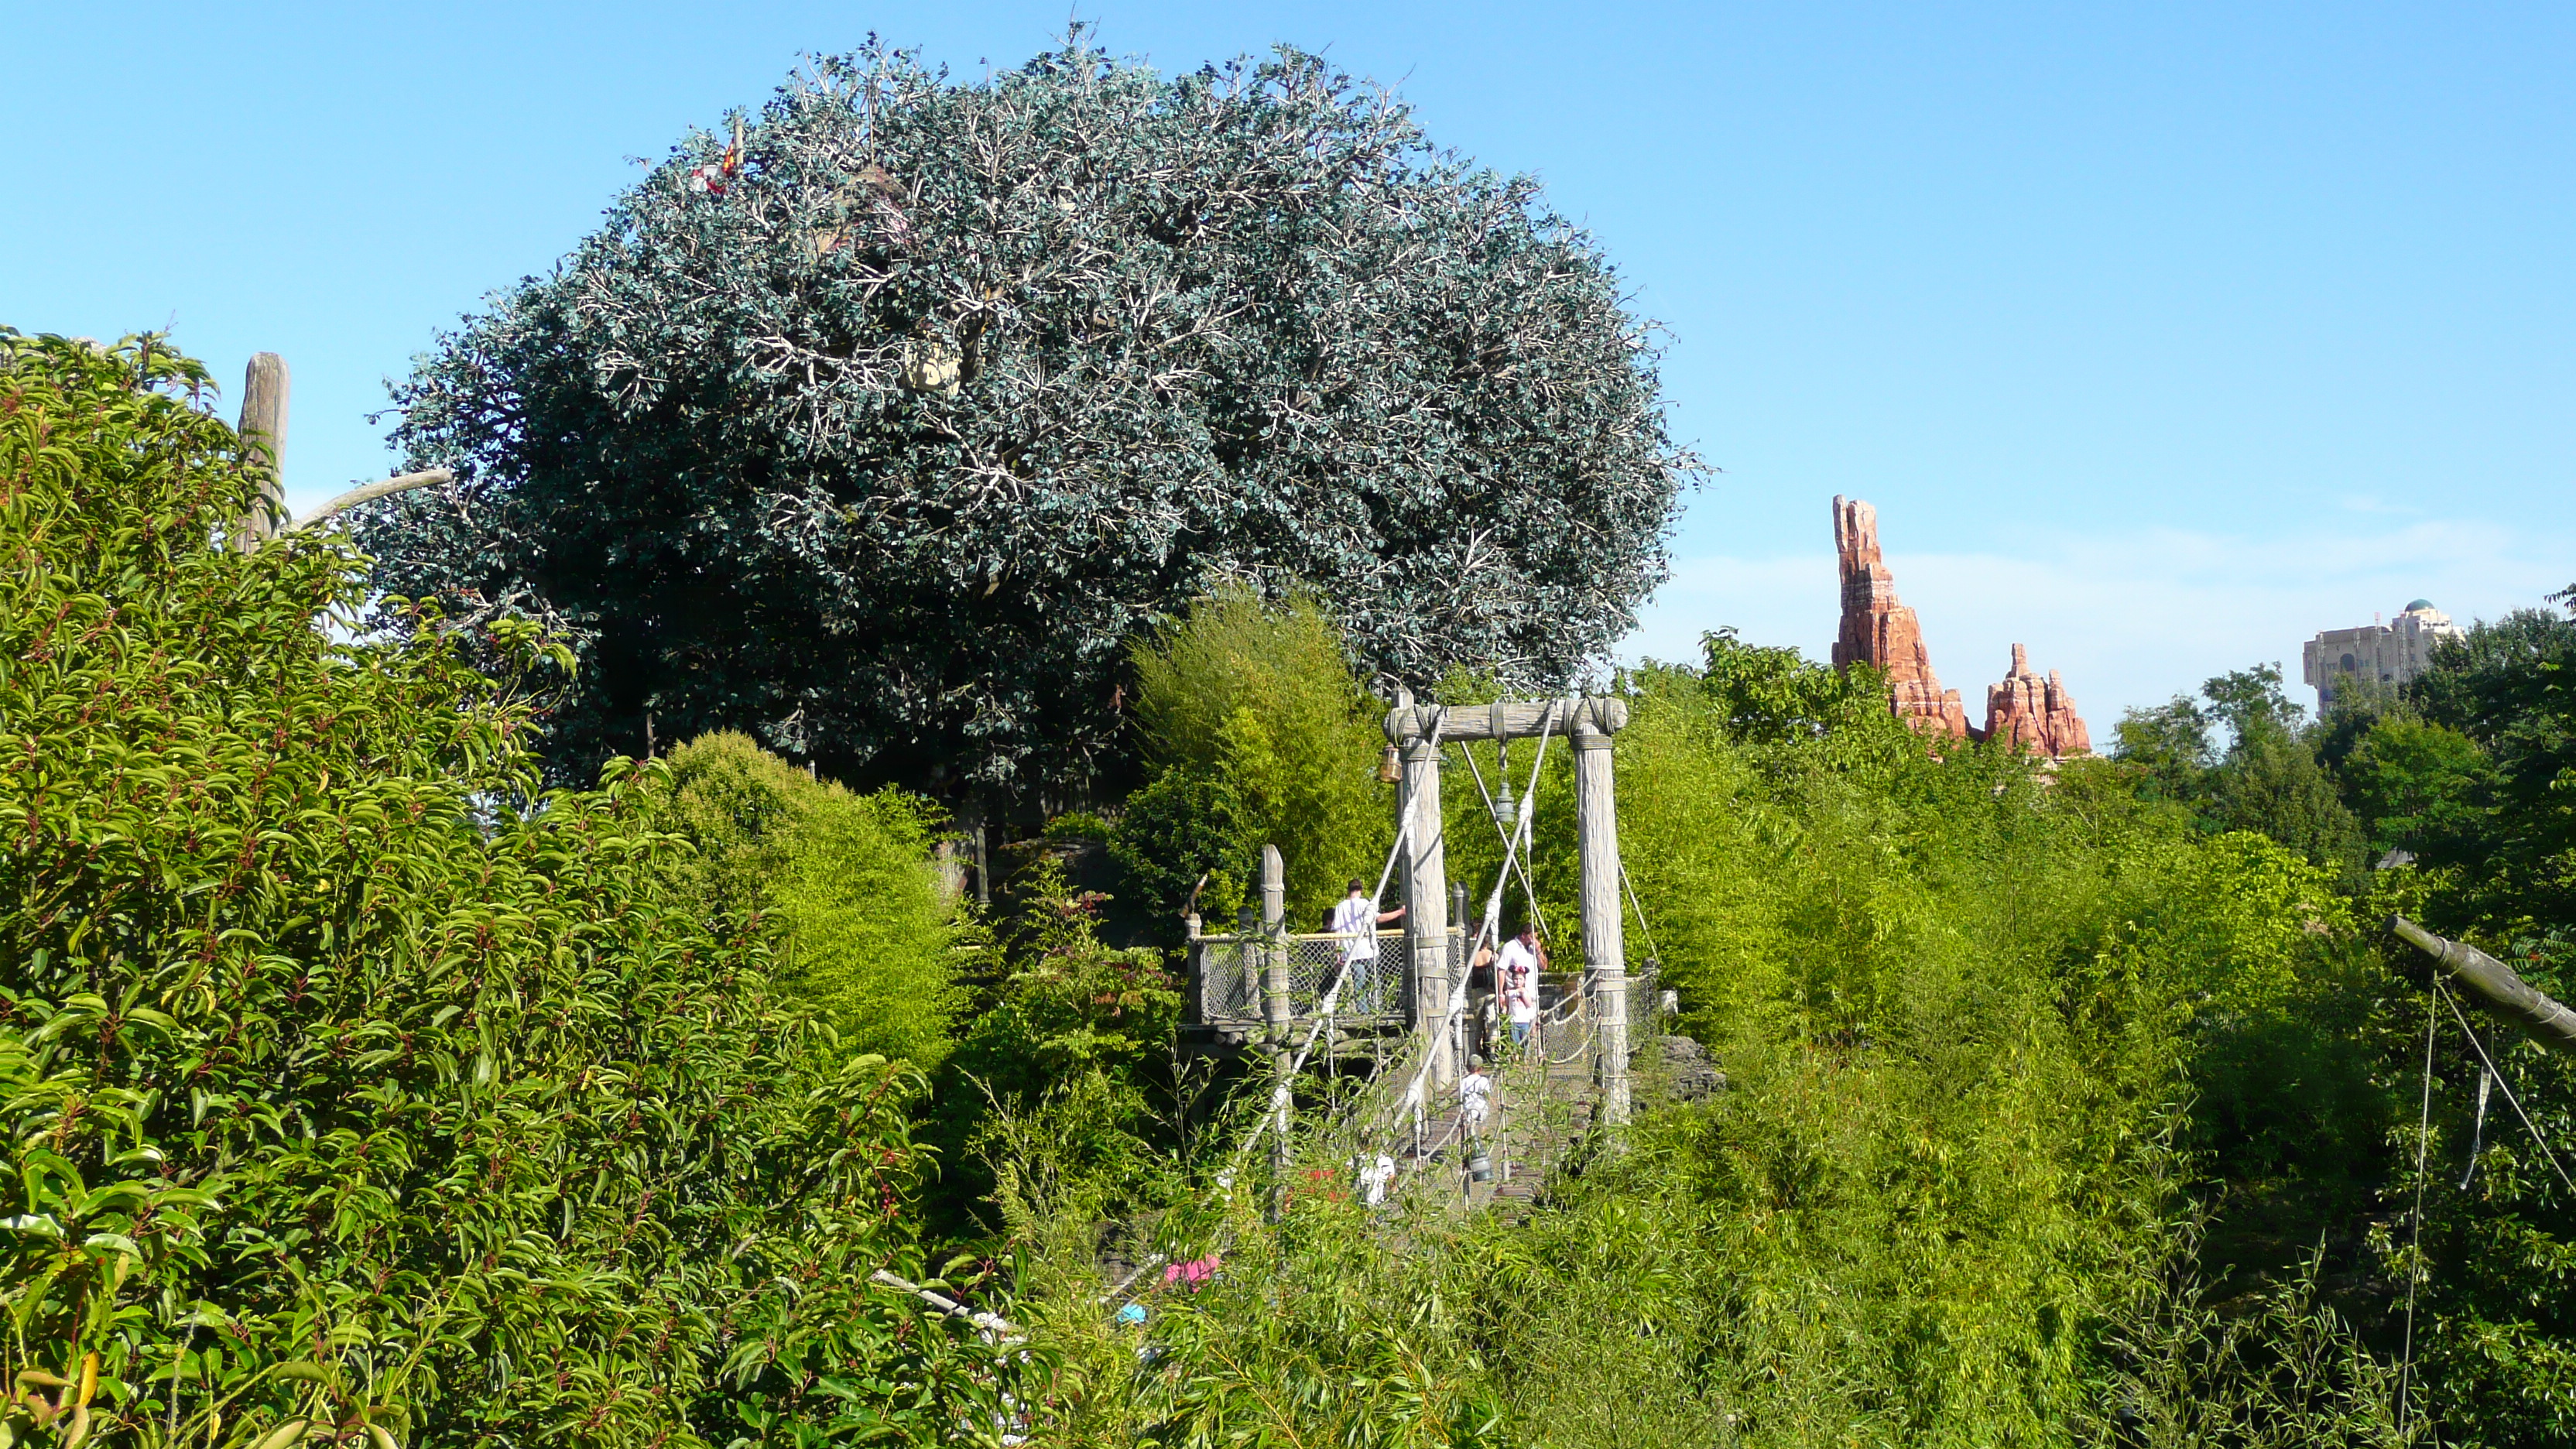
(351, 1088)
(864, 932)
(1065, 1099)
(1262, 736)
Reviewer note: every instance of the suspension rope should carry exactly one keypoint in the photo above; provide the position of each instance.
(1651, 948)
(2415, 1238)
(1529, 891)
(2511, 1100)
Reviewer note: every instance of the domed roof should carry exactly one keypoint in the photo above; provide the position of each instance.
(2419, 604)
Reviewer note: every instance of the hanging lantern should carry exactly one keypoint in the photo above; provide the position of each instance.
(1506, 810)
(1388, 770)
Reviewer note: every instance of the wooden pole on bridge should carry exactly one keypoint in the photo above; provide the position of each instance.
(1426, 891)
(1605, 959)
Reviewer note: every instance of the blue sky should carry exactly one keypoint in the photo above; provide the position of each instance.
(2161, 336)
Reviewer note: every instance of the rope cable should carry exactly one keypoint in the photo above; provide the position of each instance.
(2510, 1099)
(2478, 1131)
(1528, 890)
(2415, 1231)
(1651, 948)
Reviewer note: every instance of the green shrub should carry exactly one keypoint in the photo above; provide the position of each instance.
(1061, 1102)
(346, 1081)
(865, 932)
(1262, 736)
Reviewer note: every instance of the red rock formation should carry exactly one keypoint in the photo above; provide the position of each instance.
(2028, 713)
(1881, 632)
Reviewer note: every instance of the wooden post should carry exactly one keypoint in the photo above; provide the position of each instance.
(1605, 961)
(1426, 891)
(1274, 994)
(263, 434)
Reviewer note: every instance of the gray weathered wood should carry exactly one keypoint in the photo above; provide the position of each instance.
(1518, 719)
(1274, 992)
(1605, 959)
(400, 483)
(2496, 987)
(1426, 899)
(263, 434)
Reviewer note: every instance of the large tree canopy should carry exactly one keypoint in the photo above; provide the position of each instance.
(877, 426)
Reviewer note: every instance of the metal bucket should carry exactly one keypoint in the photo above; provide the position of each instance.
(1480, 1168)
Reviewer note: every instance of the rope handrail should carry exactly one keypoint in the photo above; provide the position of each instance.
(1643, 924)
(1281, 1093)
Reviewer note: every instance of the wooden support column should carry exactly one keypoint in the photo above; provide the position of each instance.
(1426, 889)
(1274, 993)
(1605, 961)
(263, 433)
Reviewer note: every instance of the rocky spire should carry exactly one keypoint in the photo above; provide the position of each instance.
(2028, 713)
(1879, 631)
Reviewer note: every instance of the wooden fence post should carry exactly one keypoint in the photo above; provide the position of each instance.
(1275, 1005)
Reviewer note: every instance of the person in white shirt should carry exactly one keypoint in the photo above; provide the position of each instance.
(1475, 1098)
(1375, 1174)
(1516, 973)
(1356, 921)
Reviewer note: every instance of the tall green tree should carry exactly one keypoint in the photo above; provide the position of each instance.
(875, 427)
(2266, 779)
(2511, 687)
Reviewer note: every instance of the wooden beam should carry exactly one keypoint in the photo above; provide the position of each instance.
(1513, 720)
(2496, 987)
(402, 483)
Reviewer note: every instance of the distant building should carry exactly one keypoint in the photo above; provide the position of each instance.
(2390, 653)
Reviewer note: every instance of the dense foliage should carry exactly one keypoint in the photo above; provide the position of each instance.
(1258, 735)
(1962, 1010)
(355, 1083)
(876, 429)
(2265, 778)
(2484, 781)
(865, 932)
(2452, 788)
(1065, 1099)
(351, 1087)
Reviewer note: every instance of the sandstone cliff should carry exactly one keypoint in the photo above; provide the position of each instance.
(2036, 715)
(1879, 631)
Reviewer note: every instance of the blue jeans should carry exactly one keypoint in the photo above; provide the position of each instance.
(1520, 1033)
(1355, 982)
